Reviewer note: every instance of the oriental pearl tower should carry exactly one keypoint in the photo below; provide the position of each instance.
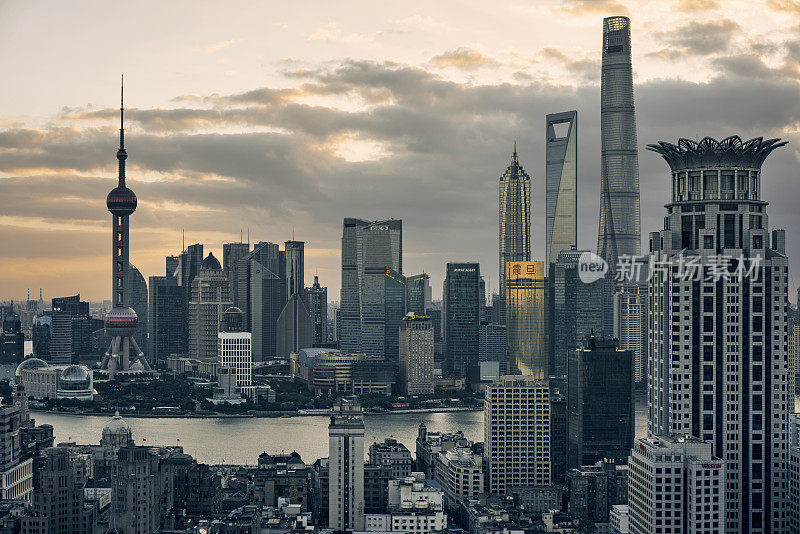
(121, 321)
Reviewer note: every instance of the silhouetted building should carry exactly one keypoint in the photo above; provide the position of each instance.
(601, 403)
(232, 253)
(317, 300)
(461, 314)
(167, 330)
(514, 222)
(12, 340)
(559, 425)
(71, 329)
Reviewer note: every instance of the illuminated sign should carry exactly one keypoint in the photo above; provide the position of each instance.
(711, 466)
(525, 269)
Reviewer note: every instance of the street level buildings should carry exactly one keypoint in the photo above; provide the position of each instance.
(718, 362)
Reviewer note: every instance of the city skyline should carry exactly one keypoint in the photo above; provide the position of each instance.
(201, 164)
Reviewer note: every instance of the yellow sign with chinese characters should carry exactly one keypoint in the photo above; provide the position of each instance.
(533, 270)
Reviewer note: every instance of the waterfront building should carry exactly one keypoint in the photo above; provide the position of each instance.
(329, 370)
(59, 504)
(369, 250)
(211, 296)
(263, 302)
(45, 381)
(527, 320)
(416, 355)
(317, 300)
(71, 329)
(373, 375)
(561, 135)
(235, 350)
(16, 474)
(140, 489)
(121, 321)
(461, 316)
(575, 309)
(393, 455)
(675, 486)
(418, 291)
(595, 489)
(517, 433)
(514, 221)
(718, 363)
(346, 465)
(630, 324)
(167, 330)
(600, 403)
(459, 471)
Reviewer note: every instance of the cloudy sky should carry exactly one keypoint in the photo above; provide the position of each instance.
(286, 117)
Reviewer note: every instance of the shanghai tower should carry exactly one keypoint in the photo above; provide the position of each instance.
(619, 233)
(121, 321)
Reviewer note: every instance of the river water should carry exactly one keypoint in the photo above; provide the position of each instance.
(241, 440)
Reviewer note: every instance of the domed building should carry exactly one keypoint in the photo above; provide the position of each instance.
(42, 380)
(117, 433)
(210, 297)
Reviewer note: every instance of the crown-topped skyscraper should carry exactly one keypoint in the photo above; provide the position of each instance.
(121, 321)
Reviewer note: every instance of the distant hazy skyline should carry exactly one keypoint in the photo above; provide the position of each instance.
(289, 117)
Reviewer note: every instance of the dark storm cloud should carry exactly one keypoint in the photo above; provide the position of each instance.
(444, 145)
(697, 38)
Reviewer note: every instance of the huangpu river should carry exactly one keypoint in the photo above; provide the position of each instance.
(241, 440)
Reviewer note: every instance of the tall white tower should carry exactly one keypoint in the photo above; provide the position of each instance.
(718, 355)
(346, 460)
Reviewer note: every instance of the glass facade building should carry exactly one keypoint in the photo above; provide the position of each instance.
(514, 221)
(527, 320)
(620, 227)
(166, 333)
(461, 325)
(562, 183)
(600, 403)
(417, 291)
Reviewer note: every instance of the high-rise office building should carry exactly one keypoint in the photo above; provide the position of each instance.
(630, 324)
(717, 358)
(12, 340)
(346, 464)
(294, 329)
(620, 227)
(676, 486)
(71, 330)
(59, 504)
(517, 433)
(461, 317)
(492, 342)
(211, 296)
(514, 221)
(231, 254)
(235, 347)
(394, 309)
(264, 304)
(418, 291)
(189, 263)
(138, 291)
(121, 322)
(575, 309)
(171, 264)
(42, 335)
(369, 250)
(166, 329)
(416, 355)
(527, 320)
(600, 403)
(317, 299)
(16, 475)
(294, 252)
(562, 183)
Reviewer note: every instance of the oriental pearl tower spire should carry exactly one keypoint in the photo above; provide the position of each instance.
(121, 321)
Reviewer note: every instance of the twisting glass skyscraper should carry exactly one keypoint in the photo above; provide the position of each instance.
(562, 181)
(717, 319)
(515, 221)
(620, 228)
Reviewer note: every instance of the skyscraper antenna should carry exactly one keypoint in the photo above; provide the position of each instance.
(122, 111)
(183, 239)
(515, 150)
